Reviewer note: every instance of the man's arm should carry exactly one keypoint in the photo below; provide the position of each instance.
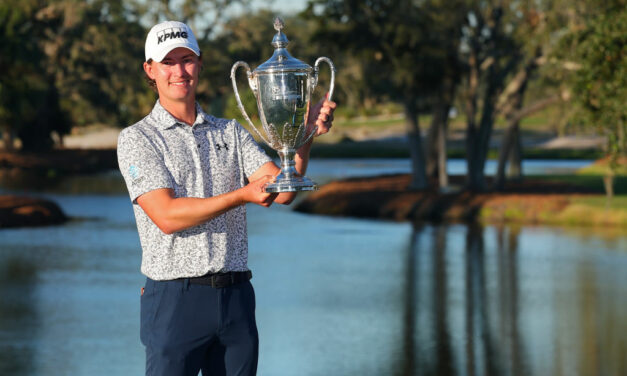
(172, 214)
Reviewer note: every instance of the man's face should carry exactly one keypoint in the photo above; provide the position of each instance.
(176, 75)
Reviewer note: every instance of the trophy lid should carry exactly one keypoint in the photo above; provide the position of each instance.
(281, 60)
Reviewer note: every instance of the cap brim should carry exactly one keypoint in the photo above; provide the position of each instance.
(162, 54)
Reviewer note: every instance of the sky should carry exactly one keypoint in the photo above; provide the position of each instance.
(283, 6)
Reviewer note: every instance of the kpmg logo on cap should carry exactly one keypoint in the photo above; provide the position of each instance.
(171, 33)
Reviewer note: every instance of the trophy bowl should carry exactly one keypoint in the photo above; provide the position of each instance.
(282, 87)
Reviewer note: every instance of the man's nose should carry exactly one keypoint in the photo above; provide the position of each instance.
(179, 69)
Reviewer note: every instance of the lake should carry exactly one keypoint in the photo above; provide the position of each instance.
(335, 296)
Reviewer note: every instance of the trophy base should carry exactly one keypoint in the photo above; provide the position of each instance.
(293, 184)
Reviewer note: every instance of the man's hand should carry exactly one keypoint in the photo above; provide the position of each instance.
(255, 193)
(321, 116)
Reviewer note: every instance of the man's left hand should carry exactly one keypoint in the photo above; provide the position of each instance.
(321, 116)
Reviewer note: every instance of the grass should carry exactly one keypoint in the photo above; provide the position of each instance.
(542, 120)
(600, 169)
(375, 122)
(618, 202)
(597, 214)
(587, 210)
(590, 182)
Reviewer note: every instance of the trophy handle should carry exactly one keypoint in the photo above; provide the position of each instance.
(316, 70)
(314, 83)
(253, 87)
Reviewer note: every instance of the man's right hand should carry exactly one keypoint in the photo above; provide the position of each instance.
(254, 192)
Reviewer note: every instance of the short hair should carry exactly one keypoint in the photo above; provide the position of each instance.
(151, 83)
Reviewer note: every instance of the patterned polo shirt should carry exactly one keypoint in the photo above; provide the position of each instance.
(209, 158)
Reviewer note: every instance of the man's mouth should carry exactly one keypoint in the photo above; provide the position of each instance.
(180, 83)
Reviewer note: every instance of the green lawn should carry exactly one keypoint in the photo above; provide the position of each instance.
(545, 121)
(379, 122)
(617, 202)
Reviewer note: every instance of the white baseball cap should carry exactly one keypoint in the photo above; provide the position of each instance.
(168, 35)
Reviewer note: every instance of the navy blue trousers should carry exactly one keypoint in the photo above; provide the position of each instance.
(187, 328)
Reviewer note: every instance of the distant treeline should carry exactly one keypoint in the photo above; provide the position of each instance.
(66, 63)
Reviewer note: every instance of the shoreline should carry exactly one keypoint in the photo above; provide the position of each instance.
(372, 197)
(80, 161)
(532, 201)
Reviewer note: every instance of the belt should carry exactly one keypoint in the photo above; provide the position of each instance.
(220, 280)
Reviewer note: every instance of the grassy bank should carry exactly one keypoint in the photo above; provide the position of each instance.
(564, 200)
(566, 209)
(399, 149)
(586, 182)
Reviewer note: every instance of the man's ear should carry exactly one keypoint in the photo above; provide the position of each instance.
(148, 70)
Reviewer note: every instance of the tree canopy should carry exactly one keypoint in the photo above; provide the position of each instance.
(599, 81)
(68, 63)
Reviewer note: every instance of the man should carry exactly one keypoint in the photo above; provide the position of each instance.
(189, 175)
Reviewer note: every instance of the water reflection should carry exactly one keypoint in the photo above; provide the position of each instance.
(482, 310)
(17, 285)
(336, 296)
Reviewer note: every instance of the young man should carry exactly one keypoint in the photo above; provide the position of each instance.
(189, 176)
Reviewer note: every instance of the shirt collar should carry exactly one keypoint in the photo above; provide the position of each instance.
(165, 120)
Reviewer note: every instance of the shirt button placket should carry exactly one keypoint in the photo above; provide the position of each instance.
(195, 135)
(199, 139)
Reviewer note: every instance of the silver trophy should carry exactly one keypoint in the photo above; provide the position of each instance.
(283, 86)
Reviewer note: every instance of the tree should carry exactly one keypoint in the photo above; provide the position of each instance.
(402, 40)
(247, 38)
(505, 44)
(539, 21)
(545, 22)
(447, 18)
(598, 46)
(94, 52)
(68, 62)
(491, 54)
(29, 105)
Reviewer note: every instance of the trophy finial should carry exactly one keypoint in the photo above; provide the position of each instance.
(278, 24)
(279, 40)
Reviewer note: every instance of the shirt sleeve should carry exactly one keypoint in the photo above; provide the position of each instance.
(253, 155)
(141, 164)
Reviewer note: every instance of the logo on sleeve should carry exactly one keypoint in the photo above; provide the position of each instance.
(133, 171)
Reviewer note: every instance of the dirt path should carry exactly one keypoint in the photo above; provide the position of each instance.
(102, 139)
